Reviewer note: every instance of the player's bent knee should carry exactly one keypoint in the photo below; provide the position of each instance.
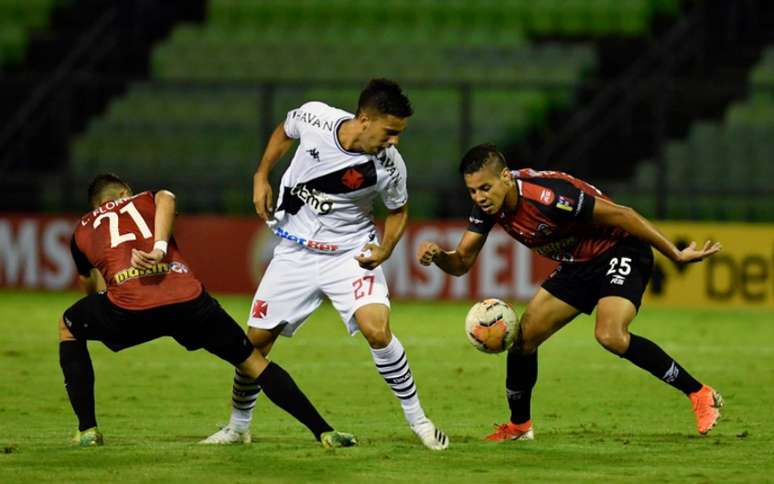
(614, 341)
(378, 337)
(526, 347)
(64, 332)
(253, 365)
(235, 350)
(263, 339)
(528, 340)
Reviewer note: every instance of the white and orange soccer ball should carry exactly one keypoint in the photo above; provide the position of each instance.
(492, 325)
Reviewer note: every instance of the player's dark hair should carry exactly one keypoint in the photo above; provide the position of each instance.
(101, 184)
(385, 97)
(480, 156)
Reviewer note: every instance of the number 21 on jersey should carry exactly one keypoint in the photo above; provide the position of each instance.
(117, 238)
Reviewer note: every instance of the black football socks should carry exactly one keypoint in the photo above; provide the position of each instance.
(79, 381)
(651, 358)
(521, 375)
(283, 392)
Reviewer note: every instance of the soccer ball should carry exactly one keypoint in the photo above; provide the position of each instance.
(491, 325)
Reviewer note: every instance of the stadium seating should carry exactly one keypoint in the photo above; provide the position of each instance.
(732, 156)
(17, 19)
(432, 47)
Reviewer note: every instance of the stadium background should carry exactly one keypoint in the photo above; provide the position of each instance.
(666, 104)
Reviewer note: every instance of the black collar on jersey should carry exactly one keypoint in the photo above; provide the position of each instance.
(336, 128)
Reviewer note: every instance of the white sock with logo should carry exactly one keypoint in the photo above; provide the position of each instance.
(392, 364)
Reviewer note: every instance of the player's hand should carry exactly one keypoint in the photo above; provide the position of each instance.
(372, 255)
(146, 260)
(691, 254)
(263, 197)
(427, 251)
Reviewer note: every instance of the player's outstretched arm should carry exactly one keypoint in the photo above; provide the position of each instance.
(608, 213)
(394, 226)
(456, 262)
(263, 198)
(164, 219)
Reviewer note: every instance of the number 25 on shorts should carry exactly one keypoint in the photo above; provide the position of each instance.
(359, 284)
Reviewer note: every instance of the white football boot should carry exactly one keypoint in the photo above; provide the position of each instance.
(228, 435)
(432, 437)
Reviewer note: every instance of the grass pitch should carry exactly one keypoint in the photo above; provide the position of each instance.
(597, 417)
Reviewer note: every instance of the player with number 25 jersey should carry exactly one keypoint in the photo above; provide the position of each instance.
(605, 256)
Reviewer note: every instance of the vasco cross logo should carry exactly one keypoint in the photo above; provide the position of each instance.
(314, 153)
(352, 179)
(260, 308)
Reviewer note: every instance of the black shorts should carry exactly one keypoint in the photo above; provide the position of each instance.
(198, 323)
(623, 270)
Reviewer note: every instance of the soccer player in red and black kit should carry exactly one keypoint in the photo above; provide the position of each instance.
(151, 292)
(605, 259)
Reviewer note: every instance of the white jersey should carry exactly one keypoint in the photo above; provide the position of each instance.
(326, 196)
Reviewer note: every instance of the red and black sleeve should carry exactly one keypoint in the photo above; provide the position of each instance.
(479, 221)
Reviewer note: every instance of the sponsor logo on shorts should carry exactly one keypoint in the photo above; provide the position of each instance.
(309, 244)
(260, 308)
(134, 273)
(544, 229)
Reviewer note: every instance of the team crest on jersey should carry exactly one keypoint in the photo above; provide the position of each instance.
(352, 179)
(565, 203)
(260, 308)
(546, 196)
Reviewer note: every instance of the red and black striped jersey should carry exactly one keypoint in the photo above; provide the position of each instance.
(552, 217)
(104, 239)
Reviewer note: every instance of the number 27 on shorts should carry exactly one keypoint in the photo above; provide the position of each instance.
(365, 283)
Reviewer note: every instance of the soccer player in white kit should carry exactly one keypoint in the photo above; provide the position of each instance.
(329, 245)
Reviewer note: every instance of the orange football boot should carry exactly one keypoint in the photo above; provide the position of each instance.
(706, 406)
(512, 431)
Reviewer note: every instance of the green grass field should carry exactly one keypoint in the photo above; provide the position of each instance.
(597, 417)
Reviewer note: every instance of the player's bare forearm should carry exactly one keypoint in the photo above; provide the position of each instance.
(451, 263)
(456, 262)
(279, 144)
(394, 226)
(165, 215)
(626, 218)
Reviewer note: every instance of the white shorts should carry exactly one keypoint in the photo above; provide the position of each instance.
(297, 280)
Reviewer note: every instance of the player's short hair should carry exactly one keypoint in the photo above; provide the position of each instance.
(385, 97)
(480, 156)
(105, 184)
